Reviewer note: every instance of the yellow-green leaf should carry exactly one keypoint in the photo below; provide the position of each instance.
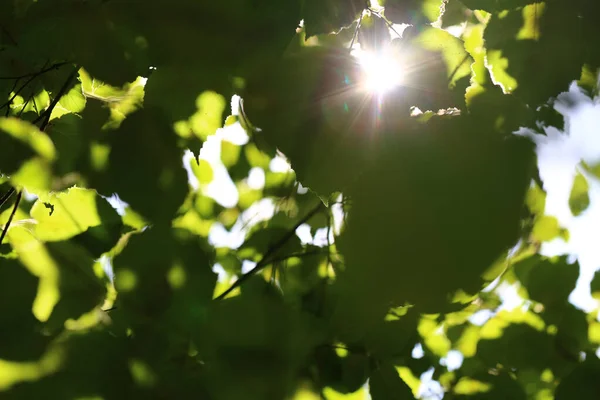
(579, 199)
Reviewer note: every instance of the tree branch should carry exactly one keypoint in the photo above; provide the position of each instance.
(43, 71)
(6, 196)
(10, 218)
(266, 259)
(45, 116)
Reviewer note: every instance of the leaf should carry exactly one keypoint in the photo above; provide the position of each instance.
(203, 171)
(28, 154)
(255, 344)
(182, 92)
(152, 171)
(80, 288)
(581, 382)
(21, 339)
(329, 15)
(523, 42)
(579, 199)
(494, 6)
(230, 153)
(414, 12)
(550, 281)
(71, 102)
(520, 346)
(546, 228)
(385, 383)
(61, 216)
(437, 182)
(595, 285)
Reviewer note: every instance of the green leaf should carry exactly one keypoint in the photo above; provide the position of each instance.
(439, 180)
(329, 15)
(582, 382)
(81, 289)
(230, 153)
(520, 346)
(203, 171)
(181, 93)
(523, 42)
(22, 339)
(579, 199)
(61, 216)
(546, 228)
(28, 154)
(595, 285)
(549, 281)
(71, 102)
(494, 6)
(414, 12)
(385, 383)
(153, 170)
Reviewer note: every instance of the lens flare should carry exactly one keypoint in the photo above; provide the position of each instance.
(383, 70)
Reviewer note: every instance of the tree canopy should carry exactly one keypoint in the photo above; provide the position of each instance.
(420, 198)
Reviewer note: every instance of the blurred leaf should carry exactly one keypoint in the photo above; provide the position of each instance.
(579, 199)
(61, 216)
(549, 281)
(595, 285)
(330, 15)
(582, 382)
(72, 102)
(203, 171)
(230, 153)
(524, 41)
(435, 180)
(385, 383)
(546, 228)
(153, 170)
(494, 6)
(21, 339)
(414, 12)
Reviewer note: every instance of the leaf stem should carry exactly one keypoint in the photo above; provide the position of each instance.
(266, 259)
(10, 218)
(38, 73)
(45, 116)
(6, 196)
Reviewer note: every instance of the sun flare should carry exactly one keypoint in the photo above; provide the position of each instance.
(383, 70)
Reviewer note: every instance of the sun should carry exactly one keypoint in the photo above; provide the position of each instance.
(383, 70)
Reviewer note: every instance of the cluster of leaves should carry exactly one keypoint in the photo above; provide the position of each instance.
(423, 198)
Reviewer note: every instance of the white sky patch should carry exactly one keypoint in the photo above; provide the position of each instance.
(247, 265)
(417, 351)
(262, 210)
(453, 360)
(279, 164)
(303, 232)
(481, 317)
(559, 155)
(320, 238)
(256, 178)
(116, 203)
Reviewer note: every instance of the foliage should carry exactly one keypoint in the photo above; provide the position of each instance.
(425, 200)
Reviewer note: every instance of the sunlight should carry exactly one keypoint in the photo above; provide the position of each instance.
(383, 70)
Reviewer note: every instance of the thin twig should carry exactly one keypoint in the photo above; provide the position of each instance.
(6, 196)
(294, 255)
(388, 23)
(266, 259)
(45, 116)
(25, 105)
(457, 68)
(43, 71)
(10, 218)
(18, 91)
(356, 30)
